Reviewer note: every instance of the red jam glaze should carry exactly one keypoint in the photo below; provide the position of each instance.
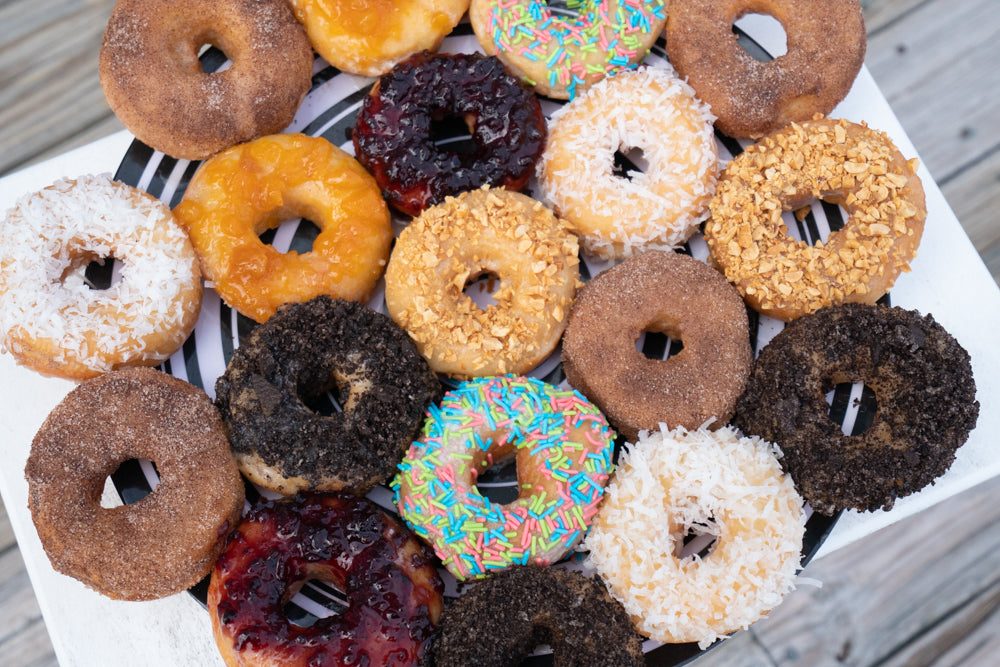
(394, 136)
(392, 588)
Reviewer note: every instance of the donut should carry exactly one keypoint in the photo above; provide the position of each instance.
(392, 591)
(668, 293)
(158, 89)
(825, 50)
(648, 109)
(560, 55)
(54, 320)
(503, 618)
(288, 363)
(167, 541)
(253, 187)
(839, 162)
(924, 392)
(483, 232)
(715, 484)
(562, 445)
(368, 38)
(394, 134)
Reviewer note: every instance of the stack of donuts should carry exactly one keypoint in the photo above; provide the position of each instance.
(465, 309)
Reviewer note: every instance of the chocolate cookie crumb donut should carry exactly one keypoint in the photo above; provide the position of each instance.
(167, 541)
(513, 611)
(667, 293)
(925, 396)
(303, 351)
(825, 50)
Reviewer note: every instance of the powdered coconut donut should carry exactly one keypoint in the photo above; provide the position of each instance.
(649, 109)
(52, 321)
(704, 482)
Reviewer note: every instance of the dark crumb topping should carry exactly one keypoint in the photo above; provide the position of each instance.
(502, 619)
(310, 348)
(925, 394)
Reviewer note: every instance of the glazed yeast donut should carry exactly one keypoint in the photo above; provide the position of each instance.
(253, 187)
(156, 85)
(842, 163)
(293, 359)
(392, 588)
(512, 611)
(165, 542)
(924, 390)
(667, 293)
(394, 134)
(649, 109)
(562, 445)
(52, 321)
(368, 38)
(508, 235)
(825, 50)
(713, 483)
(561, 56)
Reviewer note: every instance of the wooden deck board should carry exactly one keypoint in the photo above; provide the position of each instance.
(925, 591)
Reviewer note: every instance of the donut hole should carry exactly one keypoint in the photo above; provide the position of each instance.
(290, 235)
(757, 24)
(498, 482)
(213, 58)
(326, 398)
(659, 340)
(696, 537)
(96, 272)
(481, 287)
(453, 132)
(852, 406)
(315, 597)
(132, 480)
(627, 162)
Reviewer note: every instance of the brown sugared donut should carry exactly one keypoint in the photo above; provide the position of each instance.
(156, 85)
(924, 391)
(304, 351)
(826, 48)
(667, 293)
(165, 542)
(393, 591)
(841, 163)
(502, 619)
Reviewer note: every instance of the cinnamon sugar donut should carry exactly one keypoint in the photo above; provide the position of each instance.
(155, 84)
(53, 321)
(243, 191)
(842, 163)
(165, 542)
(825, 50)
(486, 231)
(648, 109)
(369, 37)
(668, 293)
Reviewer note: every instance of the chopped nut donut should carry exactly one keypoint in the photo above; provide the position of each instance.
(484, 232)
(842, 163)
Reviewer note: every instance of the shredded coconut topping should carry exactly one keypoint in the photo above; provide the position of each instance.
(47, 309)
(670, 482)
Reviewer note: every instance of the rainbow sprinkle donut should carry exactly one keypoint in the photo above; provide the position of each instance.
(559, 56)
(562, 445)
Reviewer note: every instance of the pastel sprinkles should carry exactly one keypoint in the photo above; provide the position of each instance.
(563, 446)
(560, 55)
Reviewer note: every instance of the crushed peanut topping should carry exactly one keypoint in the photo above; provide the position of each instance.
(486, 231)
(834, 160)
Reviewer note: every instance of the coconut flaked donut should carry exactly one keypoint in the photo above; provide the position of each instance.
(718, 483)
(165, 542)
(667, 293)
(157, 87)
(649, 109)
(53, 321)
(924, 392)
(825, 50)
(302, 352)
(503, 618)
